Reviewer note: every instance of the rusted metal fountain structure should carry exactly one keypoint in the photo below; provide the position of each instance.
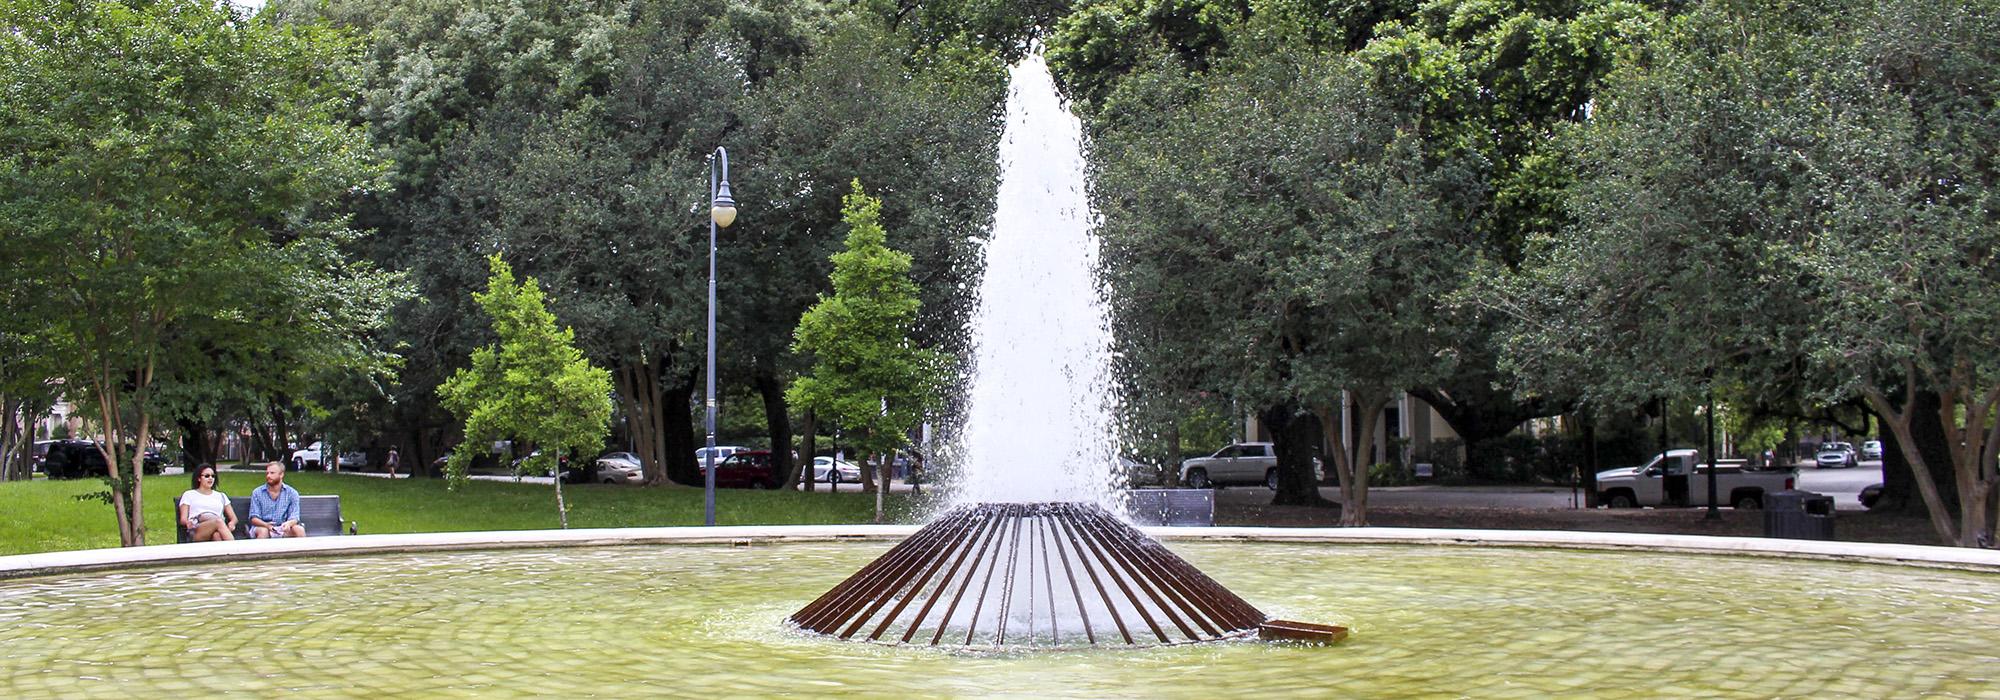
(1039, 575)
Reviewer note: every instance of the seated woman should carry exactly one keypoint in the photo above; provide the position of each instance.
(205, 512)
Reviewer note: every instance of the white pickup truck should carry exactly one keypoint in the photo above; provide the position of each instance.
(1680, 478)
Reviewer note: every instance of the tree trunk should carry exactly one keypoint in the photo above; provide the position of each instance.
(1900, 423)
(25, 461)
(678, 431)
(881, 469)
(421, 454)
(11, 468)
(260, 437)
(1974, 479)
(1899, 483)
(194, 442)
(1292, 435)
(778, 420)
(127, 492)
(1590, 466)
(1370, 402)
(1171, 469)
(562, 509)
(282, 432)
(1351, 461)
(643, 399)
(808, 447)
(868, 481)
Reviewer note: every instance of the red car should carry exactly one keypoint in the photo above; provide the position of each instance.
(750, 469)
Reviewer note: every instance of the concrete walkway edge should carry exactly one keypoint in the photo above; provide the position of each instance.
(93, 560)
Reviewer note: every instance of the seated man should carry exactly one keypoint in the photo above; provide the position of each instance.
(274, 509)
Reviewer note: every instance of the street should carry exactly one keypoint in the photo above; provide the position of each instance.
(1844, 485)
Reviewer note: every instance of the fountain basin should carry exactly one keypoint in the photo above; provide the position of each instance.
(555, 615)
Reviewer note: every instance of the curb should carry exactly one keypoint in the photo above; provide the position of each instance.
(97, 560)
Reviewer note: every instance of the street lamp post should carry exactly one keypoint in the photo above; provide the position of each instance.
(721, 213)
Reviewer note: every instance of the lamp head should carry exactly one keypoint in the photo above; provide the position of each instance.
(723, 210)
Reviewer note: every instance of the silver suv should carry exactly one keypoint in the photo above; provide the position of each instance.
(1241, 463)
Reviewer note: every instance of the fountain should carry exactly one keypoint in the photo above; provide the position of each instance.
(692, 611)
(1029, 526)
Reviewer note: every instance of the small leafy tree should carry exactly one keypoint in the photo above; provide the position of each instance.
(533, 386)
(867, 376)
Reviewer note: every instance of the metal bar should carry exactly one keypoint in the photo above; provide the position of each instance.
(1084, 559)
(916, 591)
(1159, 564)
(991, 532)
(983, 523)
(1034, 543)
(1007, 582)
(1048, 575)
(891, 582)
(1075, 592)
(1097, 548)
(867, 582)
(812, 611)
(1239, 613)
(1136, 571)
(979, 605)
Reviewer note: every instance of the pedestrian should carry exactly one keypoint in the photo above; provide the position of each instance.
(392, 460)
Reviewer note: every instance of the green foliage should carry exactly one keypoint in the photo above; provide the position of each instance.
(168, 172)
(1277, 237)
(534, 386)
(867, 374)
(574, 137)
(1006, 27)
(1796, 198)
(1388, 474)
(920, 122)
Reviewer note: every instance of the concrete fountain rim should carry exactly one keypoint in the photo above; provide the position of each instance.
(102, 560)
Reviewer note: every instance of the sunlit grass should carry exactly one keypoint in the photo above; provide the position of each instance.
(44, 515)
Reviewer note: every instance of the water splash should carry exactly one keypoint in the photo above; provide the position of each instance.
(1039, 423)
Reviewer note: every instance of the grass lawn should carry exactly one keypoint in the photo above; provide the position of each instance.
(45, 516)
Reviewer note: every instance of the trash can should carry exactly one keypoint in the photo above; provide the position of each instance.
(1798, 515)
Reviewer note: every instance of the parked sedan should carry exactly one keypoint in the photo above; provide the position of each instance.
(832, 471)
(1871, 449)
(746, 469)
(1135, 473)
(569, 473)
(619, 468)
(1835, 454)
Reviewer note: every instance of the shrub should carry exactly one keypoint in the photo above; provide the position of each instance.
(1390, 474)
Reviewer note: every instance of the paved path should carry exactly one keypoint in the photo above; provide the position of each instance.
(1844, 485)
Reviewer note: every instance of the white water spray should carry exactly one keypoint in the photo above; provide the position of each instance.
(1039, 424)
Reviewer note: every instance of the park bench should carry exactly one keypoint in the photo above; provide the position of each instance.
(1176, 507)
(320, 514)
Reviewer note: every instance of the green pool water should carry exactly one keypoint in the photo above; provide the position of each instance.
(707, 622)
